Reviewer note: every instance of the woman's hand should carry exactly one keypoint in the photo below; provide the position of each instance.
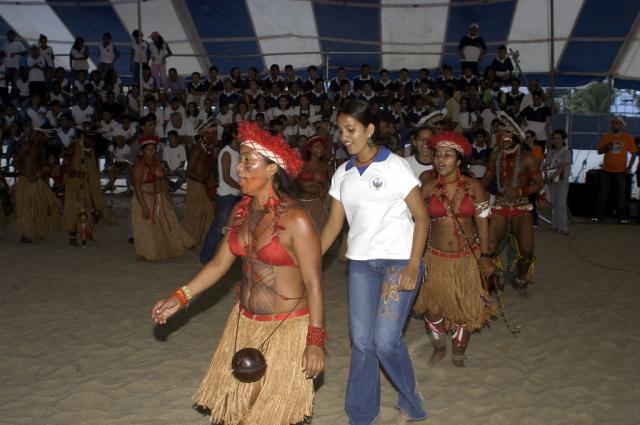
(164, 309)
(486, 266)
(313, 361)
(408, 278)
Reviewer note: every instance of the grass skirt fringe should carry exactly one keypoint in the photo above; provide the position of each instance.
(37, 209)
(199, 210)
(286, 395)
(161, 237)
(453, 289)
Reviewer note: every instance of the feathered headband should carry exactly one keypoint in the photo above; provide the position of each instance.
(509, 125)
(454, 141)
(271, 147)
(433, 118)
(145, 140)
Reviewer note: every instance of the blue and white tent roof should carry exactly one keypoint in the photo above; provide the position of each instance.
(593, 38)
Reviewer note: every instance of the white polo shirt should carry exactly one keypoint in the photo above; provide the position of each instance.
(418, 167)
(380, 223)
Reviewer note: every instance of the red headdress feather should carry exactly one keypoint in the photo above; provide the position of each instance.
(453, 140)
(312, 141)
(143, 140)
(271, 146)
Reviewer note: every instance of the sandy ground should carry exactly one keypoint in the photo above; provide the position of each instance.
(77, 345)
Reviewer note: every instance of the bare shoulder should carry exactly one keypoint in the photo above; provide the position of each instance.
(297, 218)
(428, 186)
(472, 183)
(529, 160)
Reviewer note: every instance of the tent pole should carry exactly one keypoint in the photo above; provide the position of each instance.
(552, 59)
(141, 96)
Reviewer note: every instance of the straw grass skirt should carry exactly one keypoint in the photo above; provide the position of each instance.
(286, 395)
(453, 289)
(317, 211)
(199, 210)
(90, 198)
(37, 209)
(160, 237)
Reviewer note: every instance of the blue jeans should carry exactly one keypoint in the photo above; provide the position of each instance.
(180, 178)
(224, 206)
(377, 314)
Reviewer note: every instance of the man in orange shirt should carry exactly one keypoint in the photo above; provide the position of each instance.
(615, 146)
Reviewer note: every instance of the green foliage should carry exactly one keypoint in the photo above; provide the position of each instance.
(594, 98)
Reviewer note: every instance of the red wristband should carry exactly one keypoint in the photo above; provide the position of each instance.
(182, 296)
(316, 336)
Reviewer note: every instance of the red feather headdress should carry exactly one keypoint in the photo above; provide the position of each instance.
(272, 147)
(145, 140)
(451, 140)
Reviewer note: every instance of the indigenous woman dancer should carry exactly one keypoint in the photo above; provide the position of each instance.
(157, 233)
(517, 174)
(314, 180)
(37, 209)
(200, 185)
(379, 194)
(82, 194)
(280, 296)
(453, 298)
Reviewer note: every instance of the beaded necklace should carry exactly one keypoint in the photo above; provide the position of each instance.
(505, 164)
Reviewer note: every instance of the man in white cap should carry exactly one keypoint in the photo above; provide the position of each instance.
(472, 48)
(615, 146)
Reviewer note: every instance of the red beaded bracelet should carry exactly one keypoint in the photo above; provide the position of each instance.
(316, 336)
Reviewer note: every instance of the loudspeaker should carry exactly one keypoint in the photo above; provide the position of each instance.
(582, 199)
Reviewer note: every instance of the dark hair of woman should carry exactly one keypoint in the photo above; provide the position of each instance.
(560, 132)
(159, 42)
(282, 183)
(359, 110)
(229, 133)
(76, 44)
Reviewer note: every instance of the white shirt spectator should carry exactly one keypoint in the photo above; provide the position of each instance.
(380, 223)
(53, 118)
(120, 154)
(36, 74)
(158, 56)
(47, 53)
(136, 52)
(107, 53)
(418, 167)
(169, 110)
(173, 156)
(185, 130)
(487, 116)
(10, 48)
(128, 133)
(38, 116)
(78, 60)
(223, 188)
(82, 116)
(66, 137)
(308, 131)
(222, 120)
(23, 87)
(107, 129)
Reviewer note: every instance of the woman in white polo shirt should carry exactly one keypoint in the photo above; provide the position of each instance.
(379, 195)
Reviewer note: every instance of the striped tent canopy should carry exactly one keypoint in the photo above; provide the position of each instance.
(594, 39)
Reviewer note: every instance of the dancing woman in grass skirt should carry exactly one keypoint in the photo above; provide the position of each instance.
(452, 298)
(280, 307)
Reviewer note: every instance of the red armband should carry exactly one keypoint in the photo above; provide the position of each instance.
(316, 336)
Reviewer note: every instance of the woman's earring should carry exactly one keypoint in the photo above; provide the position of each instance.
(369, 141)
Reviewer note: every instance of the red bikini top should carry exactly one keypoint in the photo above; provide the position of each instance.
(308, 175)
(436, 208)
(273, 253)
